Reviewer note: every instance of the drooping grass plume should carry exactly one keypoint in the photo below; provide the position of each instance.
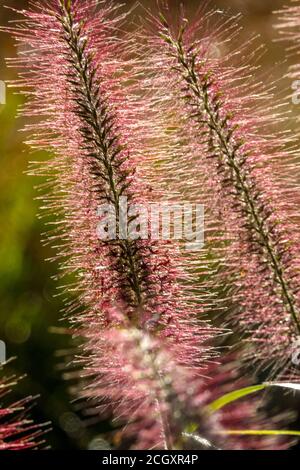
(17, 431)
(224, 128)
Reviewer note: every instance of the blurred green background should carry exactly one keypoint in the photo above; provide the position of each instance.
(28, 306)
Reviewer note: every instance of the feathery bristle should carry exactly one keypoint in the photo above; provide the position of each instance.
(17, 432)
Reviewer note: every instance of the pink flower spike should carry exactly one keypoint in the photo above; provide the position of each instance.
(204, 87)
(86, 120)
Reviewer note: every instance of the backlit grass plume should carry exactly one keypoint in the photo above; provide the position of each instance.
(222, 136)
(85, 120)
(72, 70)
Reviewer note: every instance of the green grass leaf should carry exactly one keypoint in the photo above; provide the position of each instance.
(233, 396)
(243, 392)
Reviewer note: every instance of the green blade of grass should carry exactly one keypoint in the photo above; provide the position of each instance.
(233, 396)
(243, 392)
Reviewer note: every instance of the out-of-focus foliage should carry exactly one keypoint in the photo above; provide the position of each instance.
(28, 306)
